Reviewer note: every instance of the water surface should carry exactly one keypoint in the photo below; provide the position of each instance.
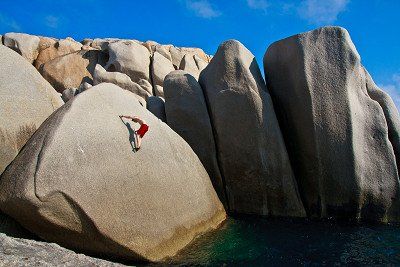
(258, 242)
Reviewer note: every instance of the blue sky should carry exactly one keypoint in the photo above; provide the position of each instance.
(374, 25)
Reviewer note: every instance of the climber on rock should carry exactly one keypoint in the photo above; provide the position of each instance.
(140, 132)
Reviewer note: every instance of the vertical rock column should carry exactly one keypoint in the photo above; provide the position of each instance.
(335, 131)
(250, 148)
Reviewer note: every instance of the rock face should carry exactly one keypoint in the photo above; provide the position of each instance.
(160, 67)
(187, 115)
(131, 58)
(341, 131)
(50, 49)
(189, 65)
(71, 70)
(251, 152)
(97, 194)
(25, 252)
(25, 44)
(26, 100)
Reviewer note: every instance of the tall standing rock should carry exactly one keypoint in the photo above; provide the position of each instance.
(335, 126)
(251, 152)
(78, 182)
(187, 115)
(26, 100)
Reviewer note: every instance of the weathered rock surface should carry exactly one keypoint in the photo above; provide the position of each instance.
(98, 195)
(25, 44)
(26, 252)
(251, 151)
(341, 132)
(187, 115)
(177, 54)
(131, 58)
(201, 64)
(100, 75)
(189, 65)
(70, 70)
(26, 100)
(156, 105)
(50, 49)
(160, 67)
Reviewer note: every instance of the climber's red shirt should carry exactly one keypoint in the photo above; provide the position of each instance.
(142, 130)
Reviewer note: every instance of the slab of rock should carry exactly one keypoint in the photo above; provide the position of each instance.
(70, 70)
(160, 67)
(79, 182)
(187, 115)
(251, 151)
(26, 252)
(338, 126)
(156, 105)
(26, 100)
(100, 75)
(50, 50)
(131, 58)
(24, 44)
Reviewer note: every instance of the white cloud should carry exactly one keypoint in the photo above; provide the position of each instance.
(321, 11)
(51, 21)
(393, 89)
(203, 9)
(9, 23)
(258, 4)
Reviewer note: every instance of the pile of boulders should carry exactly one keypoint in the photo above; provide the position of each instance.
(315, 139)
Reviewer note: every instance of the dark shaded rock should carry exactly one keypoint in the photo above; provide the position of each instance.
(187, 114)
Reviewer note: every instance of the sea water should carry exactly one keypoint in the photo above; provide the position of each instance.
(255, 242)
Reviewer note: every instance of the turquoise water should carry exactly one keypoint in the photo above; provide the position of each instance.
(258, 242)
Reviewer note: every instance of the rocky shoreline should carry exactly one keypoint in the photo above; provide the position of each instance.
(315, 139)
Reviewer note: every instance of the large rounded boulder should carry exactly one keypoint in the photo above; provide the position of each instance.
(341, 131)
(79, 181)
(250, 147)
(26, 100)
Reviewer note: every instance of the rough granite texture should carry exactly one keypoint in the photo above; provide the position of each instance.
(100, 75)
(26, 252)
(251, 152)
(24, 44)
(187, 115)
(79, 182)
(129, 57)
(26, 100)
(341, 131)
(69, 71)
